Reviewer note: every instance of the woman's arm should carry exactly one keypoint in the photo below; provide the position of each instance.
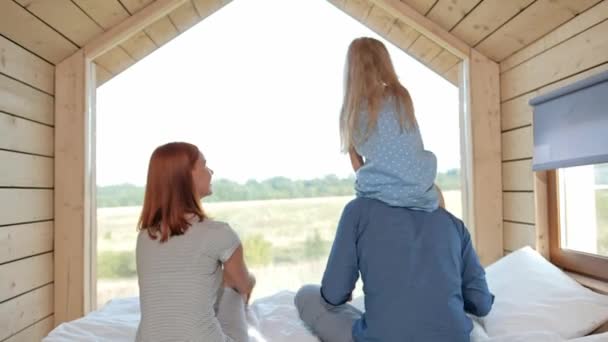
(355, 159)
(237, 276)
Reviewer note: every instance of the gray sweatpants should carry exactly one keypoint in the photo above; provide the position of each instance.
(231, 315)
(329, 323)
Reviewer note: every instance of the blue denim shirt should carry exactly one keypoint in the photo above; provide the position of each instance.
(419, 269)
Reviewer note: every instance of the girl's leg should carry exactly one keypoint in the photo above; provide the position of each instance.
(330, 323)
(231, 315)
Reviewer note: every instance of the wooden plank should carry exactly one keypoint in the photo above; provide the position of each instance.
(557, 63)
(444, 61)
(21, 64)
(115, 61)
(22, 27)
(538, 19)
(21, 276)
(107, 13)
(379, 20)
(580, 23)
(486, 18)
(207, 7)
(447, 13)
(123, 31)
(541, 213)
(139, 46)
(65, 17)
(21, 135)
(185, 16)
(162, 31)
(424, 50)
(425, 26)
(402, 35)
(519, 207)
(35, 332)
(518, 235)
(591, 283)
(25, 205)
(134, 6)
(19, 99)
(20, 241)
(518, 175)
(517, 144)
(73, 210)
(486, 164)
(25, 310)
(357, 9)
(421, 6)
(25, 170)
(453, 75)
(517, 112)
(101, 75)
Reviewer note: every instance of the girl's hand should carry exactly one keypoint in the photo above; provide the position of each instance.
(355, 159)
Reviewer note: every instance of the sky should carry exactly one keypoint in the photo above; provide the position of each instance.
(257, 87)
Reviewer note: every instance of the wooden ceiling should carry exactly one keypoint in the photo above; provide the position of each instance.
(54, 29)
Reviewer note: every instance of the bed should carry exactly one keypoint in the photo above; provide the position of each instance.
(562, 310)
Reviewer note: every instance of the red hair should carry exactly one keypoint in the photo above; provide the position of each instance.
(170, 195)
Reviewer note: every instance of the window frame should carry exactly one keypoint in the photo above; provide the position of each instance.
(592, 265)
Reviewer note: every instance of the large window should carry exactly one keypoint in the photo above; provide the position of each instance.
(579, 218)
(268, 125)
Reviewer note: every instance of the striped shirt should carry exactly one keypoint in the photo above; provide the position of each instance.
(179, 282)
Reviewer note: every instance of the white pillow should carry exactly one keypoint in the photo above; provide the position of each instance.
(532, 295)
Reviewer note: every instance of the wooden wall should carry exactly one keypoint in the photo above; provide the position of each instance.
(573, 51)
(26, 193)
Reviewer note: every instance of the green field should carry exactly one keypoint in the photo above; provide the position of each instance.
(286, 242)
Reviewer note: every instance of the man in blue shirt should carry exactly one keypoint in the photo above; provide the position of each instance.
(420, 275)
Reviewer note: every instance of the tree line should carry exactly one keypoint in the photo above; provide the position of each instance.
(224, 190)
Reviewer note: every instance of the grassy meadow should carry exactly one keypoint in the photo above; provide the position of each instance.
(286, 241)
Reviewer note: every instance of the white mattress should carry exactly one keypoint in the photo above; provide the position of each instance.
(272, 318)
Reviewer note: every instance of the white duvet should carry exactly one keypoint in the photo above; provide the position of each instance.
(273, 318)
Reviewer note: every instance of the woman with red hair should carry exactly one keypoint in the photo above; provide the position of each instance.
(193, 281)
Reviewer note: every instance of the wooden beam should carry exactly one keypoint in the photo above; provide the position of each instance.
(576, 25)
(20, 241)
(484, 90)
(25, 205)
(26, 67)
(21, 135)
(24, 101)
(35, 332)
(519, 207)
(425, 26)
(21, 276)
(517, 144)
(129, 27)
(541, 213)
(26, 170)
(73, 168)
(557, 63)
(518, 175)
(25, 29)
(518, 235)
(19, 313)
(448, 13)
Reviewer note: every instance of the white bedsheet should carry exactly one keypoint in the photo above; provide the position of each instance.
(271, 319)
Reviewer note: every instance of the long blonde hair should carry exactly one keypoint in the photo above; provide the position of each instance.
(369, 80)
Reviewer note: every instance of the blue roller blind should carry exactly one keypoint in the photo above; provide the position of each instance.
(571, 125)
